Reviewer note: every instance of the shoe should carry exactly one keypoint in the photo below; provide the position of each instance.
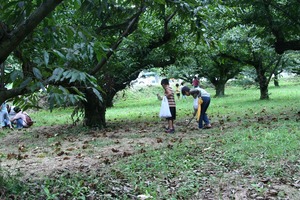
(170, 131)
(207, 126)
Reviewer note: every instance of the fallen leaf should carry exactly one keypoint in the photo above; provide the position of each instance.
(22, 148)
(61, 153)
(125, 154)
(115, 150)
(70, 149)
(11, 156)
(159, 140)
(106, 161)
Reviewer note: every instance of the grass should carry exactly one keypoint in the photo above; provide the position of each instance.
(252, 141)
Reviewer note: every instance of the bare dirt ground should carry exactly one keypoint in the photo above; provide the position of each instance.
(41, 151)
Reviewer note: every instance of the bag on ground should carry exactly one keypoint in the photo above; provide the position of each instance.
(165, 109)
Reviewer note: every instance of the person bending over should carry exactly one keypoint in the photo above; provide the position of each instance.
(202, 99)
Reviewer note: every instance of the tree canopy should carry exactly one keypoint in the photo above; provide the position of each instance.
(77, 51)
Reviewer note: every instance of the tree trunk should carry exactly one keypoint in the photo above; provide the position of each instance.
(219, 84)
(264, 94)
(109, 99)
(276, 82)
(220, 89)
(94, 111)
(263, 82)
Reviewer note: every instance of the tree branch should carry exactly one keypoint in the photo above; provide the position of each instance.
(9, 43)
(127, 32)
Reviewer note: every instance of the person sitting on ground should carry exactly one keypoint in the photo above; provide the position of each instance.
(11, 111)
(201, 97)
(20, 119)
(4, 117)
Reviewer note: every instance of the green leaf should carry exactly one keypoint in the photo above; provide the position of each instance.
(74, 76)
(59, 54)
(77, 4)
(97, 93)
(66, 75)
(83, 78)
(163, 2)
(77, 91)
(64, 90)
(15, 75)
(26, 82)
(73, 99)
(37, 73)
(46, 58)
(57, 74)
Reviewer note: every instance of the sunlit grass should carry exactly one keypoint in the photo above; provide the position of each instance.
(143, 105)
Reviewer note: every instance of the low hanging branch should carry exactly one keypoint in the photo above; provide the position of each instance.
(12, 39)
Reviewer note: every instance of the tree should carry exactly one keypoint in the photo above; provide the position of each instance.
(209, 57)
(253, 50)
(72, 51)
(221, 70)
(13, 30)
(279, 18)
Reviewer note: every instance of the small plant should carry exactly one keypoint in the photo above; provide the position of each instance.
(49, 195)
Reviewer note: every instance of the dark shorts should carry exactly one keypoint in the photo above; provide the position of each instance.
(173, 113)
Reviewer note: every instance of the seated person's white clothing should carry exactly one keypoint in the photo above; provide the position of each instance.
(11, 112)
(4, 118)
(20, 115)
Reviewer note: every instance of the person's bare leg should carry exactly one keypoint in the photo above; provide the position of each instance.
(171, 124)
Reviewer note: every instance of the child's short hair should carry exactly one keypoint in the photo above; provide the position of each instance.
(185, 89)
(17, 109)
(164, 81)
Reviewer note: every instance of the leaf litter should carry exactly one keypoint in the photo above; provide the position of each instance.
(40, 152)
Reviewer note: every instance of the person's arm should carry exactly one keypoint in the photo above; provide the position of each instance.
(17, 116)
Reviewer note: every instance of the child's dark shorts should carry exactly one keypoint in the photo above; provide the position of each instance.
(173, 113)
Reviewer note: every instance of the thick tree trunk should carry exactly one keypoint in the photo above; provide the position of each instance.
(219, 84)
(220, 89)
(264, 94)
(94, 111)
